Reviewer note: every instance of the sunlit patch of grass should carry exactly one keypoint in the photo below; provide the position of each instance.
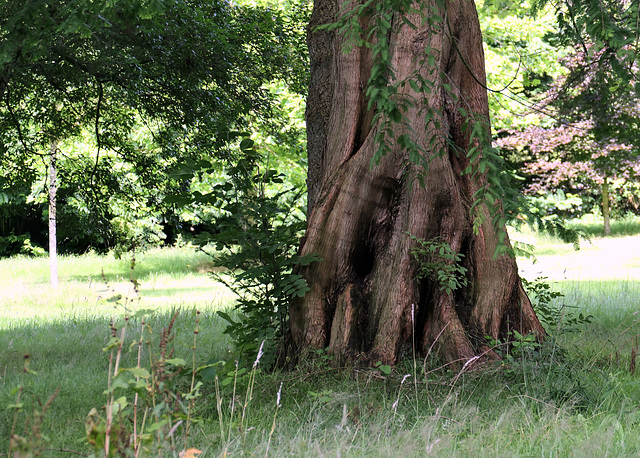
(165, 279)
(92, 267)
(599, 258)
(593, 225)
(589, 225)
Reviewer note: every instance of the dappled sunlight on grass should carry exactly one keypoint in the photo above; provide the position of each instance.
(166, 278)
(599, 258)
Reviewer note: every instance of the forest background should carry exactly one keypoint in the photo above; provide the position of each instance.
(138, 148)
(176, 124)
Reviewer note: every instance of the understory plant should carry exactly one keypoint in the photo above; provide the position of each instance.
(437, 261)
(257, 236)
(554, 317)
(150, 407)
(150, 396)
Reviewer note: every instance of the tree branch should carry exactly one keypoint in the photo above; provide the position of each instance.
(16, 123)
(97, 130)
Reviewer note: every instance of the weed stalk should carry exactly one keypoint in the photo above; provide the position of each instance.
(273, 425)
(192, 395)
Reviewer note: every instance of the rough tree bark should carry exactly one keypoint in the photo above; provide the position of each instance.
(364, 301)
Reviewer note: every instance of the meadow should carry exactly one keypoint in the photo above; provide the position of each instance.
(577, 394)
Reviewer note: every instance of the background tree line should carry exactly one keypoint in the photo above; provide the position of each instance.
(133, 90)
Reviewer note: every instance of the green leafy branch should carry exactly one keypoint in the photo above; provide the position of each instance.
(258, 228)
(437, 261)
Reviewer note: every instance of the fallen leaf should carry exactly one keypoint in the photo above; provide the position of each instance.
(190, 453)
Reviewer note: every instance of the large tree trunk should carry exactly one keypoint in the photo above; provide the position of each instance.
(364, 300)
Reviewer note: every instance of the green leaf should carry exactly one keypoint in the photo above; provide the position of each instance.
(143, 313)
(157, 425)
(246, 144)
(114, 342)
(176, 362)
(117, 383)
(138, 372)
(226, 317)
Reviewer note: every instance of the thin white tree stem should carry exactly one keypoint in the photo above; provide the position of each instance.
(53, 190)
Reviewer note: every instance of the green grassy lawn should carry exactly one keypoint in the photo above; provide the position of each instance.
(573, 396)
(168, 278)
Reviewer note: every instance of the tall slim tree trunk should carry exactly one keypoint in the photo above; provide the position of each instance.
(53, 191)
(606, 212)
(364, 301)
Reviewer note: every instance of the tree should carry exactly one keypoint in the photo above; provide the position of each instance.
(567, 158)
(191, 72)
(589, 143)
(364, 300)
(53, 239)
(598, 92)
(522, 59)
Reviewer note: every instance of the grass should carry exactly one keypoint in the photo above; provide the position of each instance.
(168, 278)
(593, 225)
(574, 396)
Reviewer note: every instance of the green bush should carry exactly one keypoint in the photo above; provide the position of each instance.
(555, 204)
(258, 231)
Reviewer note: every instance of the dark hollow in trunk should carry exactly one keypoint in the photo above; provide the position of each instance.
(365, 302)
